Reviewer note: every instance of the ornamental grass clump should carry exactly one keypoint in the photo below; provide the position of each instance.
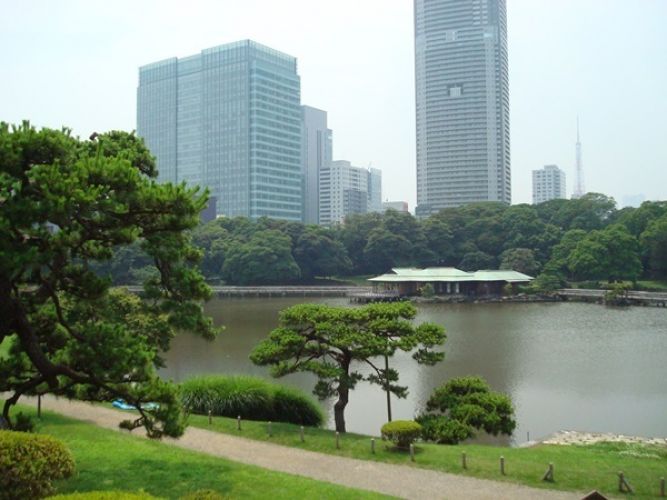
(29, 463)
(401, 432)
(252, 398)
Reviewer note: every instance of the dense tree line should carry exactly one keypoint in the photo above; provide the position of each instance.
(559, 241)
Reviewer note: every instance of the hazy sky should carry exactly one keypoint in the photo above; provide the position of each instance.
(75, 63)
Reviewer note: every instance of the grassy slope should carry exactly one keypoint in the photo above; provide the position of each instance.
(579, 468)
(108, 460)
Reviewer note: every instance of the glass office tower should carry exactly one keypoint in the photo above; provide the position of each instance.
(462, 103)
(228, 119)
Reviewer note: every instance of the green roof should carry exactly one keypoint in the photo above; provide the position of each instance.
(449, 274)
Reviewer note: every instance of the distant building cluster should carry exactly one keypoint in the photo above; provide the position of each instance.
(548, 184)
(230, 119)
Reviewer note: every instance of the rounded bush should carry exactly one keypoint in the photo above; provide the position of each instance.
(401, 432)
(29, 463)
(251, 397)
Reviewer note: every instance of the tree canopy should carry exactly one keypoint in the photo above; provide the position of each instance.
(65, 206)
(335, 342)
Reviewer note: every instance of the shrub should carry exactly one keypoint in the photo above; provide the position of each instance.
(23, 423)
(251, 397)
(29, 463)
(463, 406)
(401, 432)
(427, 291)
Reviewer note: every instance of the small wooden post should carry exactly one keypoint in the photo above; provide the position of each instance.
(464, 460)
(337, 440)
(39, 406)
(373, 449)
(502, 465)
(303, 439)
(412, 452)
(210, 419)
(238, 423)
(549, 474)
(527, 435)
(662, 486)
(623, 485)
(270, 429)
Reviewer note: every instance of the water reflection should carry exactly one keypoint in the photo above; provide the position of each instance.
(566, 366)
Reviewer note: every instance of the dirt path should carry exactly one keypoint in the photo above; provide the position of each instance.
(397, 480)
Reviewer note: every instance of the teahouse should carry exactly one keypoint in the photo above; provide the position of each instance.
(448, 280)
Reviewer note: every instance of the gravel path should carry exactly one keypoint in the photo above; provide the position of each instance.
(396, 480)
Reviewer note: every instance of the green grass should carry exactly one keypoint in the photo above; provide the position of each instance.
(652, 285)
(108, 460)
(577, 468)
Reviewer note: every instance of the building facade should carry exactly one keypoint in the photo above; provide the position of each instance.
(548, 184)
(399, 206)
(317, 154)
(343, 191)
(462, 103)
(229, 119)
(374, 190)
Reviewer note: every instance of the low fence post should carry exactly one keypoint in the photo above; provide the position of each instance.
(373, 447)
(549, 474)
(464, 460)
(412, 452)
(337, 440)
(662, 486)
(210, 419)
(623, 485)
(303, 439)
(502, 465)
(238, 423)
(270, 429)
(39, 406)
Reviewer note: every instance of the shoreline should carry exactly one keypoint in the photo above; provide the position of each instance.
(568, 438)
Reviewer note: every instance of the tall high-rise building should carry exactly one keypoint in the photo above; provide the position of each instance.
(343, 191)
(317, 151)
(548, 184)
(228, 118)
(462, 103)
(374, 190)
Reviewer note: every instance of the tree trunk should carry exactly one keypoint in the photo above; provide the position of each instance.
(339, 407)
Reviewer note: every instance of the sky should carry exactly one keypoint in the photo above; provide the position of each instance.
(75, 63)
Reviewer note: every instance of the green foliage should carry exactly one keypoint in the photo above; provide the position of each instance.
(617, 293)
(401, 432)
(203, 495)
(474, 261)
(427, 291)
(29, 463)
(24, 423)
(329, 342)
(318, 253)
(250, 397)
(266, 258)
(463, 406)
(521, 260)
(654, 241)
(67, 207)
(104, 495)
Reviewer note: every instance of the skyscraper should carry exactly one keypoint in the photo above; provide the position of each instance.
(229, 119)
(548, 184)
(462, 103)
(344, 190)
(374, 190)
(317, 151)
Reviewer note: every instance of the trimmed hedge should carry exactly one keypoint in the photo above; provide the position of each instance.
(29, 463)
(401, 432)
(251, 397)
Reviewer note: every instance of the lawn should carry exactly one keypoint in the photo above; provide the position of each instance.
(577, 468)
(108, 460)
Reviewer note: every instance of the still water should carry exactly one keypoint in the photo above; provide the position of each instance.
(566, 365)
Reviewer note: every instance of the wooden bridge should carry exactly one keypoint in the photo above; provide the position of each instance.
(279, 291)
(658, 299)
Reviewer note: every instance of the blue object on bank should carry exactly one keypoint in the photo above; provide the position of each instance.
(122, 405)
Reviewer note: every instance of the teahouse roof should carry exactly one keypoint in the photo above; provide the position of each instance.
(449, 274)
